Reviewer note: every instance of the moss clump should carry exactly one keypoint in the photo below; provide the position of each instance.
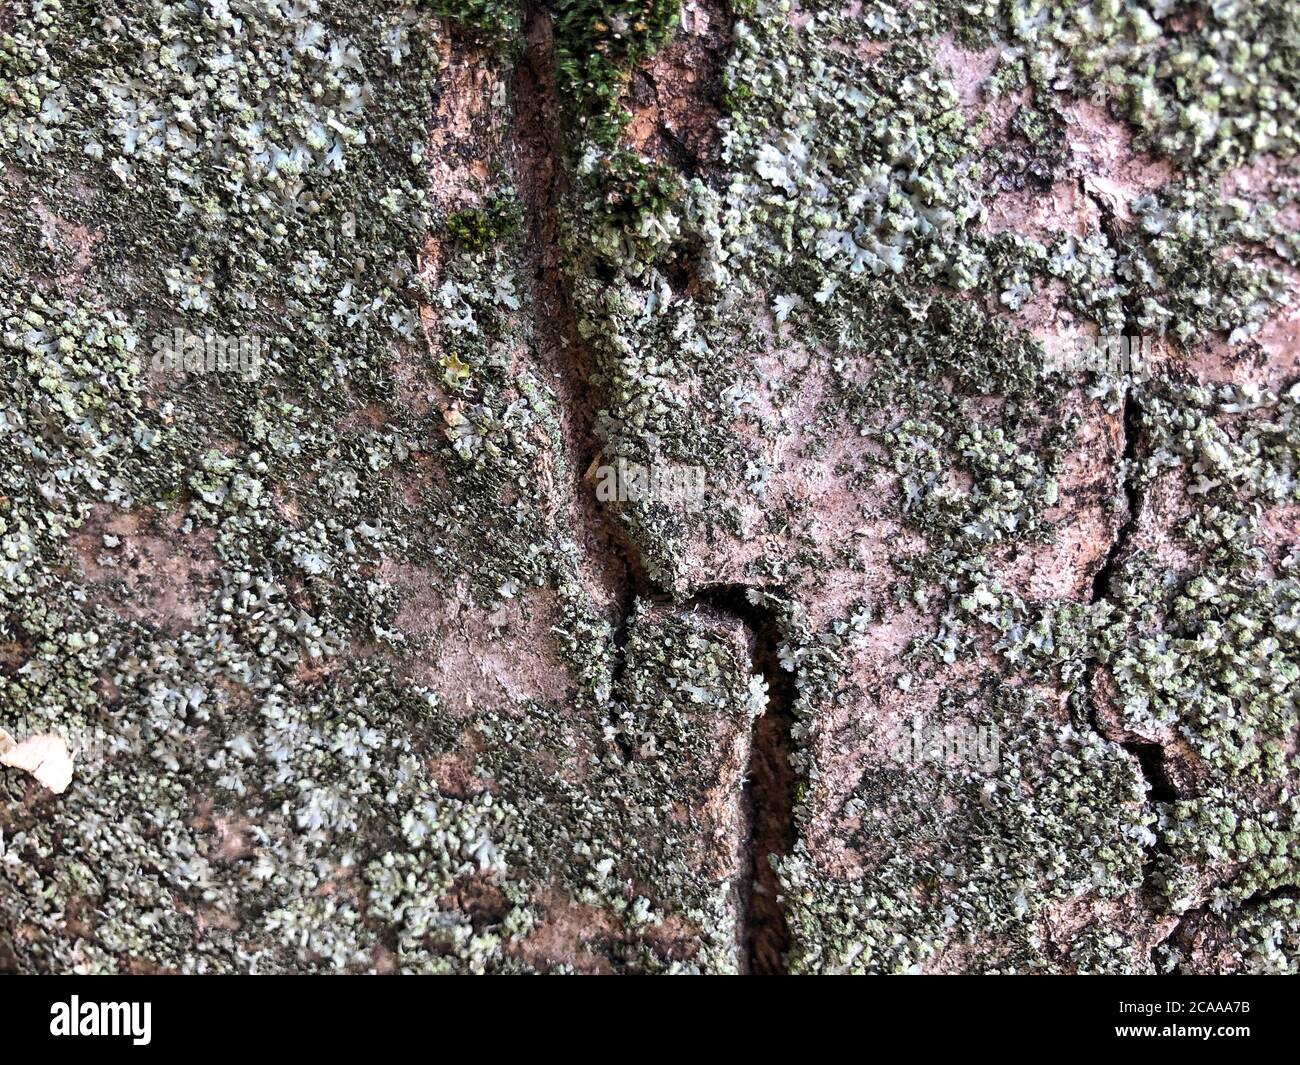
(496, 21)
(627, 188)
(476, 229)
(596, 44)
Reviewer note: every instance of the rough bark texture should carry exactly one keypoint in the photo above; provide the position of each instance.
(640, 517)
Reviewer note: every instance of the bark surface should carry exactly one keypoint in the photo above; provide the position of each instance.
(611, 486)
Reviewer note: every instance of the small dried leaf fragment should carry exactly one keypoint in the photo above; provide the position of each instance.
(45, 757)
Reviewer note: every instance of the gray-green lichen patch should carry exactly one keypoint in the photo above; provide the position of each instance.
(909, 447)
(960, 867)
(1214, 83)
(270, 777)
(1260, 939)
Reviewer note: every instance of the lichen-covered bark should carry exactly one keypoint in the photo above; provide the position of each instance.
(366, 671)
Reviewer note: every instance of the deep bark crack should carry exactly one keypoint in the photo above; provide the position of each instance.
(1119, 543)
(769, 790)
(542, 180)
(770, 787)
(1148, 757)
(1129, 427)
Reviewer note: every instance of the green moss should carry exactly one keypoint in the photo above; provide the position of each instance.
(496, 21)
(627, 188)
(596, 44)
(476, 229)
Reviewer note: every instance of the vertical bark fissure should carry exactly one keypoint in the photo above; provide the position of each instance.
(541, 178)
(769, 791)
(1129, 423)
(1149, 758)
(1119, 544)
